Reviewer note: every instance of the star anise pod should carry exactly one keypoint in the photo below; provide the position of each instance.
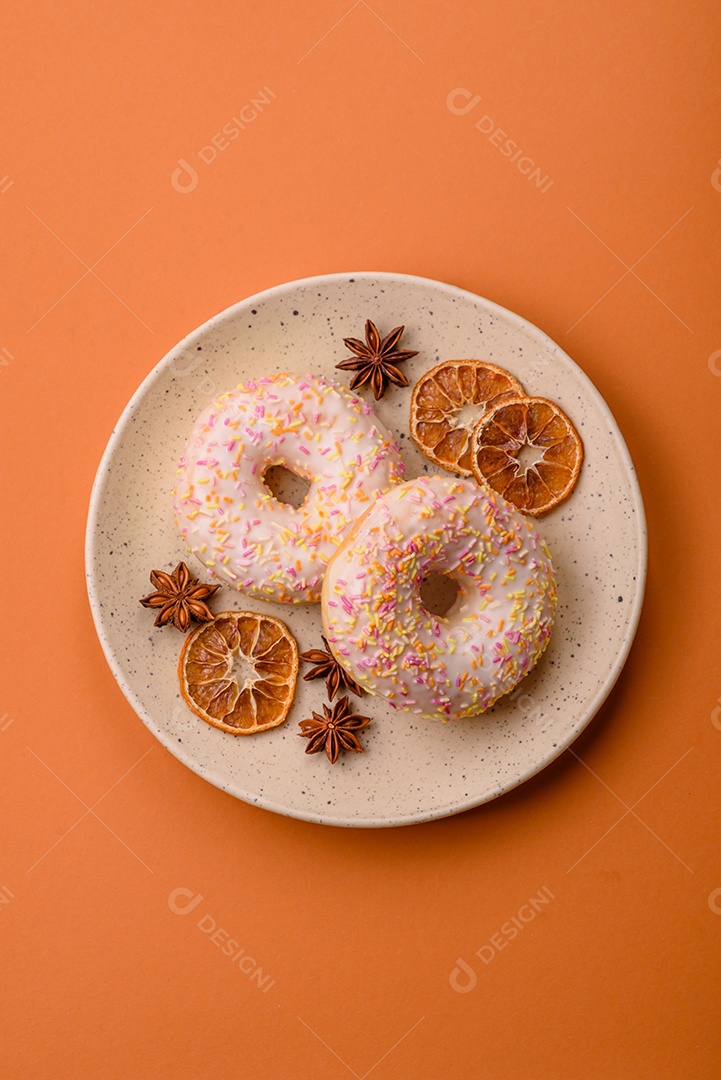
(376, 360)
(334, 731)
(180, 598)
(328, 668)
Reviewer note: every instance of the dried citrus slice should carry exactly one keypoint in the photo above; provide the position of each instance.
(529, 451)
(238, 672)
(447, 403)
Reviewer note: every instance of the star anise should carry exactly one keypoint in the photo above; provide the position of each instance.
(180, 598)
(328, 668)
(334, 731)
(376, 360)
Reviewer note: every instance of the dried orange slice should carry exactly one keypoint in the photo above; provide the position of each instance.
(529, 451)
(447, 403)
(238, 672)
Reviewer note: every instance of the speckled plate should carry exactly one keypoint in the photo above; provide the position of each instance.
(413, 770)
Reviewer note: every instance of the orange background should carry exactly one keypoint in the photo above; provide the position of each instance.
(357, 163)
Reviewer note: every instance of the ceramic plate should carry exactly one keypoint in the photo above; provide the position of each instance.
(413, 770)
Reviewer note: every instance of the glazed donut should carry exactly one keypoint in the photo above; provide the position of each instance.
(233, 523)
(498, 626)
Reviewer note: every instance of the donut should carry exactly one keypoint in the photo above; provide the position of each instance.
(231, 521)
(494, 633)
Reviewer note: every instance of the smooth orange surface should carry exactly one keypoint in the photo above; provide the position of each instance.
(357, 162)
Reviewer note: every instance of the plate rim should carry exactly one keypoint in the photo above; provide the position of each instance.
(264, 802)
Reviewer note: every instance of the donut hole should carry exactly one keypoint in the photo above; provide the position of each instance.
(286, 486)
(439, 593)
(528, 456)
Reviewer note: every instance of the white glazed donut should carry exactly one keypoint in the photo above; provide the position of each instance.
(498, 626)
(230, 520)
